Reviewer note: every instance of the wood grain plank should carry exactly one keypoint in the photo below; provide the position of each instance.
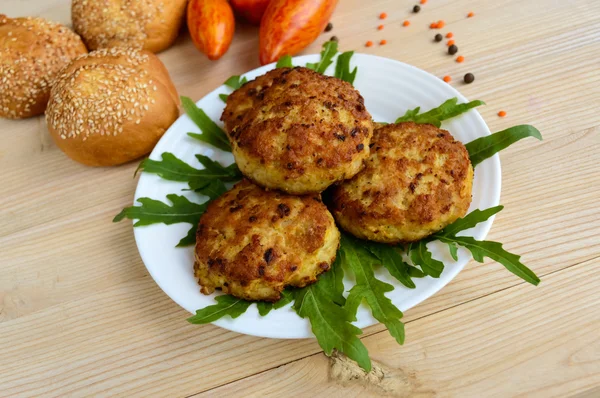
(80, 316)
(544, 345)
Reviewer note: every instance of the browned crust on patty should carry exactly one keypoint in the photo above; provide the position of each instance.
(417, 180)
(252, 243)
(307, 132)
(242, 100)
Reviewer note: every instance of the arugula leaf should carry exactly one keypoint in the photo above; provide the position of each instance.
(392, 260)
(414, 272)
(342, 67)
(494, 250)
(486, 147)
(235, 82)
(284, 62)
(330, 323)
(469, 221)
(264, 307)
(213, 189)
(453, 251)
(435, 116)
(329, 50)
(226, 305)
(211, 133)
(224, 97)
(174, 169)
(367, 287)
(421, 256)
(481, 249)
(214, 171)
(154, 212)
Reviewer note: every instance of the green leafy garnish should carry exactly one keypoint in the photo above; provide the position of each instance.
(264, 307)
(214, 171)
(211, 133)
(155, 212)
(174, 169)
(342, 67)
(435, 116)
(213, 189)
(284, 62)
(392, 260)
(330, 322)
(330, 48)
(484, 248)
(235, 82)
(421, 256)
(226, 305)
(486, 147)
(224, 97)
(361, 261)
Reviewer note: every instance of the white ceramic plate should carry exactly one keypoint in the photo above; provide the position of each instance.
(389, 88)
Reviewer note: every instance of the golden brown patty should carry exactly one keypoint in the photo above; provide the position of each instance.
(246, 97)
(303, 133)
(417, 180)
(252, 243)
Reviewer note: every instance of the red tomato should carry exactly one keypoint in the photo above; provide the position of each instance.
(211, 26)
(251, 10)
(288, 26)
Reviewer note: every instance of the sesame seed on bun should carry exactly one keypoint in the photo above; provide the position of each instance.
(151, 25)
(32, 52)
(111, 106)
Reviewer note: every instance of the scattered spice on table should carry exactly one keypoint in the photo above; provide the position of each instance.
(450, 43)
(383, 15)
(469, 78)
(328, 27)
(334, 38)
(460, 59)
(447, 79)
(405, 23)
(452, 49)
(369, 43)
(449, 35)
(416, 9)
(383, 42)
(380, 27)
(440, 24)
(471, 14)
(423, 1)
(502, 114)
(433, 25)
(438, 37)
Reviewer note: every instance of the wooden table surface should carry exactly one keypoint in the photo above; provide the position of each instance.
(80, 315)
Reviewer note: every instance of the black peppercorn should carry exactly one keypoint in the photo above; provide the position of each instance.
(469, 78)
(416, 9)
(328, 27)
(438, 37)
(452, 49)
(334, 38)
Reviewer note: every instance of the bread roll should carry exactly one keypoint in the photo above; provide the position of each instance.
(111, 106)
(151, 25)
(32, 52)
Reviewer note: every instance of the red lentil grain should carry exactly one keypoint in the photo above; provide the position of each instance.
(502, 114)
(380, 27)
(383, 15)
(450, 42)
(405, 23)
(447, 79)
(369, 43)
(449, 35)
(460, 59)
(383, 42)
(470, 14)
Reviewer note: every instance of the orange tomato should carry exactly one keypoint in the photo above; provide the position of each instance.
(288, 26)
(251, 10)
(211, 26)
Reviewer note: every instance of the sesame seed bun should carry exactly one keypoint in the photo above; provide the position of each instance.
(151, 25)
(252, 243)
(417, 180)
(111, 106)
(32, 52)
